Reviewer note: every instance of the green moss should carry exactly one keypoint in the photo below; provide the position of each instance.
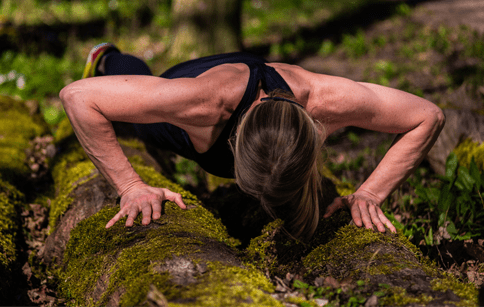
(12, 162)
(349, 242)
(10, 198)
(349, 250)
(137, 251)
(230, 286)
(132, 143)
(260, 250)
(91, 247)
(198, 218)
(71, 168)
(66, 179)
(17, 127)
(214, 182)
(467, 292)
(349, 246)
(398, 296)
(343, 188)
(63, 131)
(468, 150)
(131, 257)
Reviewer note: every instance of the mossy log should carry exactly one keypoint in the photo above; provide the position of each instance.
(17, 128)
(185, 257)
(386, 263)
(10, 200)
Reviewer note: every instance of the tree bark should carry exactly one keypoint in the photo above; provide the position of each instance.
(17, 128)
(205, 27)
(187, 257)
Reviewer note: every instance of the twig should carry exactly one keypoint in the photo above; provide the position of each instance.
(371, 259)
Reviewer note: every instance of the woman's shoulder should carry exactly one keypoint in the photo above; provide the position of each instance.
(228, 70)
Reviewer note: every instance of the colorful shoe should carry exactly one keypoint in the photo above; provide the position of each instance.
(95, 56)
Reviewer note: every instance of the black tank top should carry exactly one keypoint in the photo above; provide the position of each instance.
(219, 159)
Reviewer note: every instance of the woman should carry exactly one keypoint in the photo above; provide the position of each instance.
(277, 116)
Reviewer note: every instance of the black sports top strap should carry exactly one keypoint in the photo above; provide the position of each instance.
(218, 160)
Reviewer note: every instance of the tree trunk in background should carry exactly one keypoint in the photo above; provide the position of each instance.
(205, 27)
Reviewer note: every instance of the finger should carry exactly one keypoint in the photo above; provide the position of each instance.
(133, 213)
(157, 207)
(112, 222)
(356, 215)
(386, 221)
(365, 215)
(176, 198)
(335, 205)
(116, 218)
(376, 218)
(146, 211)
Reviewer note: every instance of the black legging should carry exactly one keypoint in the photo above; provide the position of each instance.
(124, 64)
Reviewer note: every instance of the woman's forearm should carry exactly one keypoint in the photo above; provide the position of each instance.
(97, 137)
(406, 153)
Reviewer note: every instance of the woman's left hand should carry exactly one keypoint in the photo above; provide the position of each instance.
(364, 210)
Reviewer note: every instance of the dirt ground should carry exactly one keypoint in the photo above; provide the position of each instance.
(453, 13)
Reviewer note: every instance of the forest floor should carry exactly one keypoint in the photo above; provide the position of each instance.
(430, 15)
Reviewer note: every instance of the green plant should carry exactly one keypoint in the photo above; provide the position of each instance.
(349, 297)
(327, 47)
(440, 41)
(404, 9)
(451, 208)
(356, 45)
(37, 77)
(386, 71)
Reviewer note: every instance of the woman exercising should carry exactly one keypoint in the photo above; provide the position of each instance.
(239, 116)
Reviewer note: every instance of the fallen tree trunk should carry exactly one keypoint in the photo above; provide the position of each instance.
(10, 199)
(361, 263)
(17, 128)
(186, 258)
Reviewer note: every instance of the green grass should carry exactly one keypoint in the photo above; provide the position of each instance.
(449, 207)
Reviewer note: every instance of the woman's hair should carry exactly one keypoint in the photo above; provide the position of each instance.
(277, 151)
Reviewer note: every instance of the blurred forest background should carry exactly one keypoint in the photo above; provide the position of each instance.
(44, 44)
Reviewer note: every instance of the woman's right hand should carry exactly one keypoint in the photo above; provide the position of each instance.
(147, 200)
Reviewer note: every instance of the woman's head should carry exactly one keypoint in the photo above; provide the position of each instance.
(277, 150)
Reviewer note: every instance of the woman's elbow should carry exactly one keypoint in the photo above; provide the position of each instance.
(70, 96)
(436, 119)
(439, 118)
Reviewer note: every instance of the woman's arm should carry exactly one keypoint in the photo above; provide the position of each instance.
(91, 104)
(417, 122)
